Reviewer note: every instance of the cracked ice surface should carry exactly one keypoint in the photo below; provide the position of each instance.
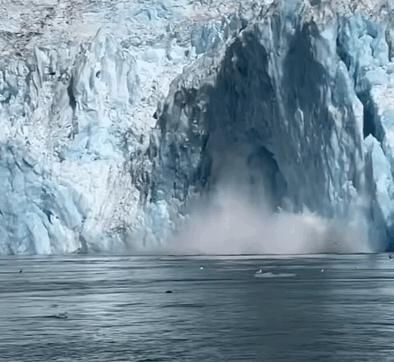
(80, 82)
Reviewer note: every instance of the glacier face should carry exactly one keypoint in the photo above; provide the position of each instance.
(118, 115)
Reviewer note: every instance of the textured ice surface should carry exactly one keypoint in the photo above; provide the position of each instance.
(117, 115)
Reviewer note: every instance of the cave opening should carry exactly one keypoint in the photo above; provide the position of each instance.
(251, 173)
(370, 127)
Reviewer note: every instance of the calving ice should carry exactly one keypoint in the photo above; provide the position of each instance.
(115, 137)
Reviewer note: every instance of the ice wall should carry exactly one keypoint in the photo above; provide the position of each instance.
(119, 117)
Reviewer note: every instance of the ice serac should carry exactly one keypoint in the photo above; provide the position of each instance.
(118, 116)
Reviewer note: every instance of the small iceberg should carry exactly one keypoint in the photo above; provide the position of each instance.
(260, 274)
(63, 315)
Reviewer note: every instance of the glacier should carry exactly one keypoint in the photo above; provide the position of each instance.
(119, 117)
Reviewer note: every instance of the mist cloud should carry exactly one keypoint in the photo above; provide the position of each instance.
(230, 224)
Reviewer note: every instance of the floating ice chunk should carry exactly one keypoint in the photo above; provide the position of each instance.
(274, 275)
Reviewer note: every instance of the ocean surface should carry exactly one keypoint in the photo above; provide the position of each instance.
(323, 308)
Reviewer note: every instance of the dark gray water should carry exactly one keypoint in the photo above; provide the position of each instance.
(328, 308)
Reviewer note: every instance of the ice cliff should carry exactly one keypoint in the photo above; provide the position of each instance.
(119, 115)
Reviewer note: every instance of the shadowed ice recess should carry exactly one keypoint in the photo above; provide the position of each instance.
(196, 127)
